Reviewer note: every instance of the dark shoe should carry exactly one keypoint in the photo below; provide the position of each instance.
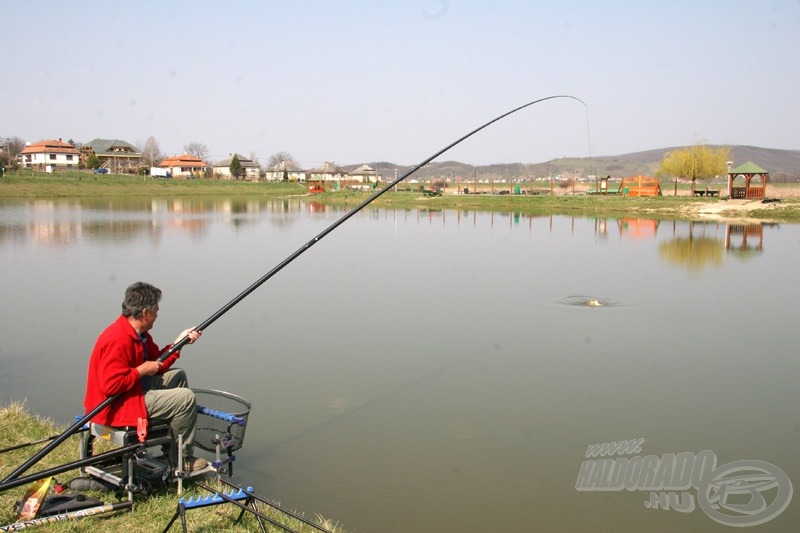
(192, 464)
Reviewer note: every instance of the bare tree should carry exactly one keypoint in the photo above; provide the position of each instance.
(10, 147)
(14, 146)
(151, 153)
(280, 157)
(197, 149)
(254, 158)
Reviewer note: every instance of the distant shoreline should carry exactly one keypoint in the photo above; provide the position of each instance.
(532, 198)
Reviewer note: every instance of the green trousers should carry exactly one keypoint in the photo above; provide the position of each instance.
(170, 398)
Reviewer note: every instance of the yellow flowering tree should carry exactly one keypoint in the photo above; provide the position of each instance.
(698, 161)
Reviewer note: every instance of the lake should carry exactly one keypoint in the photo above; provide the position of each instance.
(445, 370)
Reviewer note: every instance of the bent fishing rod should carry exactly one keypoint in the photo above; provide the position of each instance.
(280, 266)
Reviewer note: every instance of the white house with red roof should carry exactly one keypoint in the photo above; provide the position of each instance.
(49, 155)
(184, 165)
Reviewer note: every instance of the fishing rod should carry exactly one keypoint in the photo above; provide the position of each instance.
(277, 268)
(210, 320)
(52, 519)
(26, 444)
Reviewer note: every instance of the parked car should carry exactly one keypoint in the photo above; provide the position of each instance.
(101, 171)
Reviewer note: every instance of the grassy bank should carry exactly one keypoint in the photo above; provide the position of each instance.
(26, 184)
(151, 513)
(569, 201)
(613, 206)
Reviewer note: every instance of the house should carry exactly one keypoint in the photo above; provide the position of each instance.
(184, 165)
(285, 170)
(50, 155)
(327, 172)
(115, 155)
(250, 169)
(363, 174)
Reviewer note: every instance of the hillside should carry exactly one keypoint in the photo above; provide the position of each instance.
(783, 165)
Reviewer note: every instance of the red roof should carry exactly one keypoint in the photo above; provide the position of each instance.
(51, 146)
(183, 160)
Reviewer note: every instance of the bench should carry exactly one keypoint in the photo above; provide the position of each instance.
(709, 192)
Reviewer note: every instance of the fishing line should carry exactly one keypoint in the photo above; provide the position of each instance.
(589, 143)
(343, 219)
(419, 380)
(241, 296)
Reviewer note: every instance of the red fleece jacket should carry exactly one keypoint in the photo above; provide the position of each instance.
(112, 370)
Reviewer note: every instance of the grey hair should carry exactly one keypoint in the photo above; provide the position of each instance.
(138, 297)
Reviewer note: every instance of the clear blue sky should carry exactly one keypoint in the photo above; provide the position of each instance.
(356, 82)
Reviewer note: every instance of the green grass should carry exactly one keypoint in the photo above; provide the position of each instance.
(150, 513)
(614, 206)
(25, 184)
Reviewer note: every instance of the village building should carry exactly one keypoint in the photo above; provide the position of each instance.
(50, 155)
(115, 155)
(251, 170)
(285, 170)
(184, 165)
(327, 172)
(363, 174)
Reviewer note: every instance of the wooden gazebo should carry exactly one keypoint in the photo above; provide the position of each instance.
(749, 171)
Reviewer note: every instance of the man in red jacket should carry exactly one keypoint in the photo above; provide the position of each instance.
(124, 362)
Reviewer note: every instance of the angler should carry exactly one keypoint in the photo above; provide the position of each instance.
(124, 362)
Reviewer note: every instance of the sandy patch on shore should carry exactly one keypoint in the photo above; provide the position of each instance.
(731, 209)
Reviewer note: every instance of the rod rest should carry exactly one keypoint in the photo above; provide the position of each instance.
(214, 499)
(221, 415)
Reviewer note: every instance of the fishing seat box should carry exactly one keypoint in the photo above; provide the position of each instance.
(122, 436)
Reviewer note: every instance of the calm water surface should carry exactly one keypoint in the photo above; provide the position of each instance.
(442, 371)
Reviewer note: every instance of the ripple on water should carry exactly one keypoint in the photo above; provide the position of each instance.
(590, 301)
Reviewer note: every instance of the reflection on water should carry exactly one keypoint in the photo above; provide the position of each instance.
(638, 228)
(60, 222)
(744, 239)
(703, 245)
(692, 252)
(424, 370)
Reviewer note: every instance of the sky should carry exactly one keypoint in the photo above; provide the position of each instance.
(371, 81)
